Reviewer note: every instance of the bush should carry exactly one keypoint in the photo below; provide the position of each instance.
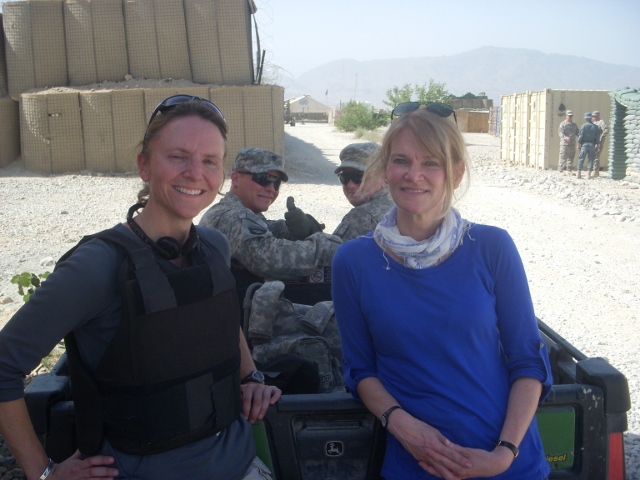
(360, 115)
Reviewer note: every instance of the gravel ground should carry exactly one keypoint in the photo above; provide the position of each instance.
(579, 239)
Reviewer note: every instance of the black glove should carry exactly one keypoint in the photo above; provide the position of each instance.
(300, 224)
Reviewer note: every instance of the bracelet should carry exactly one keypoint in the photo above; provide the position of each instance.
(510, 446)
(47, 470)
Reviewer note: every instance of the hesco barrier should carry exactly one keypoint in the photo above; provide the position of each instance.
(219, 34)
(157, 39)
(530, 121)
(51, 132)
(10, 131)
(79, 42)
(254, 116)
(100, 130)
(35, 45)
(96, 42)
(4, 87)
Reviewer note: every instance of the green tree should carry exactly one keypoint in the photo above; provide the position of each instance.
(434, 92)
(431, 92)
(399, 95)
(356, 115)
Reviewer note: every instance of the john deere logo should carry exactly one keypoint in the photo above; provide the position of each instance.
(334, 449)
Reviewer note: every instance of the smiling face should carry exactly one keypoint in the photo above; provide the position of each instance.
(183, 167)
(416, 180)
(255, 197)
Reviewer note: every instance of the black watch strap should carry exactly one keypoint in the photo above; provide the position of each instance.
(510, 446)
(255, 376)
(384, 419)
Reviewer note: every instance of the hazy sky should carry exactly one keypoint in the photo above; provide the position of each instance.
(301, 34)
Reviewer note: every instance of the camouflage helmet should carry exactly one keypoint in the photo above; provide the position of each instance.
(356, 155)
(259, 160)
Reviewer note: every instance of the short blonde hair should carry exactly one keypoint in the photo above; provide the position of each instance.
(438, 135)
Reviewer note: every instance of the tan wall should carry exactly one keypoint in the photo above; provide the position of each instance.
(10, 131)
(96, 42)
(35, 45)
(480, 103)
(4, 86)
(473, 121)
(101, 131)
(56, 43)
(530, 121)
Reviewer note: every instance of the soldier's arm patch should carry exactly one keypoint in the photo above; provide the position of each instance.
(252, 227)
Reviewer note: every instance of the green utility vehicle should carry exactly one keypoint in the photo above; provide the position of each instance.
(330, 436)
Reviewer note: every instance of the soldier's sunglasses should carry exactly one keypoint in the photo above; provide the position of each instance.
(174, 100)
(346, 177)
(440, 109)
(264, 179)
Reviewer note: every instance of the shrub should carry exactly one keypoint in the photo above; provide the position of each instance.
(360, 115)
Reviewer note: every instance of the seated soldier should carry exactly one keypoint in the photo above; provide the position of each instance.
(371, 203)
(261, 248)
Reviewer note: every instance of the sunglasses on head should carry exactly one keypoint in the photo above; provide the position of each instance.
(346, 177)
(440, 109)
(264, 179)
(174, 100)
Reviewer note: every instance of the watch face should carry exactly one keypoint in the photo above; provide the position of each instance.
(383, 420)
(257, 376)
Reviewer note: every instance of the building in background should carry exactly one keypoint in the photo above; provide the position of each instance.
(307, 109)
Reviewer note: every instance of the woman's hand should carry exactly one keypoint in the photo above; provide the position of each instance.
(256, 399)
(434, 452)
(74, 468)
(484, 463)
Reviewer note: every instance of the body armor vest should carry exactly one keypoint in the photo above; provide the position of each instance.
(170, 376)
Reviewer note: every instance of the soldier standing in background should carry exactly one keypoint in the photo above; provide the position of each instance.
(604, 131)
(587, 143)
(372, 203)
(568, 132)
(261, 248)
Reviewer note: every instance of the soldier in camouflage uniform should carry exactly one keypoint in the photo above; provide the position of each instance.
(604, 131)
(587, 143)
(371, 203)
(568, 132)
(261, 248)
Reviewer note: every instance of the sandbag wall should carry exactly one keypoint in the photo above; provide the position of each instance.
(624, 135)
(9, 116)
(100, 131)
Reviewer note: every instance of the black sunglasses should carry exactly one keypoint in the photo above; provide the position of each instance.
(174, 100)
(440, 109)
(346, 177)
(264, 179)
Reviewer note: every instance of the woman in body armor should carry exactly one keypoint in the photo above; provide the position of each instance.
(163, 381)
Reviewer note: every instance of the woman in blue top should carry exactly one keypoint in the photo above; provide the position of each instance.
(163, 381)
(439, 334)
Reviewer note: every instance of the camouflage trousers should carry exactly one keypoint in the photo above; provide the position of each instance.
(567, 154)
(587, 150)
(596, 163)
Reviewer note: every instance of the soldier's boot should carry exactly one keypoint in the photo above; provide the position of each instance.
(596, 172)
(589, 177)
(579, 175)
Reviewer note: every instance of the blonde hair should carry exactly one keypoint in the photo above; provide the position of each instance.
(439, 136)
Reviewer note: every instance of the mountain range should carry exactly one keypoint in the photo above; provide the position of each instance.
(495, 71)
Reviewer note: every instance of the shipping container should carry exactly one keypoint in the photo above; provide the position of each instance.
(530, 121)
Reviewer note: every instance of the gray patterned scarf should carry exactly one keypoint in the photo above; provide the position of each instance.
(426, 253)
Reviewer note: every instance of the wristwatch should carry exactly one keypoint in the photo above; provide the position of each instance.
(255, 376)
(510, 446)
(384, 420)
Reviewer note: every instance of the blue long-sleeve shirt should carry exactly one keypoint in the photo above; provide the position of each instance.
(447, 342)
